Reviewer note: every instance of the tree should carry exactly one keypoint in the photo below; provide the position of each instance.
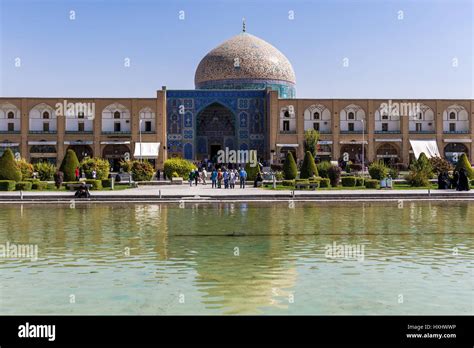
(464, 163)
(421, 172)
(252, 172)
(308, 168)
(334, 174)
(440, 165)
(311, 138)
(69, 165)
(8, 167)
(101, 167)
(289, 168)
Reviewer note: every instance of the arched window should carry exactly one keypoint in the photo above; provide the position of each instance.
(350, 116)
(11, 114)
(117, 114)
(316, 116)
(80, 114)
(452, 115)
(45, 115)
(287, 114)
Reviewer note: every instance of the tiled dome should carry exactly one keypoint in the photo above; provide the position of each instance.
(244, 57)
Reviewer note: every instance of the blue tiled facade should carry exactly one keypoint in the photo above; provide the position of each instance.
(184, 107)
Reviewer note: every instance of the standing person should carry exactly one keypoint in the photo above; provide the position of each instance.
(94, 174)
(232, 178)
(214, 178)
(191, 177)
(243, 177)
(77, 173)
(204, 176)
(196, 177)
(219, 178)
(158, 175)
(226, 178)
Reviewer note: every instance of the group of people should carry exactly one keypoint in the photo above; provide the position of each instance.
(224, 177)
(459, 181)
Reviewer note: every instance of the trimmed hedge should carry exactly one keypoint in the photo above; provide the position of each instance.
(23, 185)
(289, 167)
(301, 181)
(8, 167)
(252, 172)
(106, 182)
(323, 168)
(463, 162)
(181, 166)
(324, 182)
(348, 181)
(472, 182)
(96, 184)
(69, 165)
(359, 181)
(308, 168)
(7, 185)
(288, 183)
(371, 183)
(334, 174)
(39, 185)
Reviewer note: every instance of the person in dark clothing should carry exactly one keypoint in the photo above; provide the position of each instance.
(455, 179)
(443, 181)
(463, 181)
(82, 191)
(158, 175)
(257, 179)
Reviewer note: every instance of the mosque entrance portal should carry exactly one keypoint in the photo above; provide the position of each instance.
(215, 130)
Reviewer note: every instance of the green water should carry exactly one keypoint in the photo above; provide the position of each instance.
(239, 259)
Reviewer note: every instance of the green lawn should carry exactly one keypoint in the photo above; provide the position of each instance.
(356, 188)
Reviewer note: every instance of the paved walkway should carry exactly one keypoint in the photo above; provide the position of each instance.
(205, 191)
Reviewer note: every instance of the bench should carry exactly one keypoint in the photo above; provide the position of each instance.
(75, 187)
(300, 186)
(313, 185)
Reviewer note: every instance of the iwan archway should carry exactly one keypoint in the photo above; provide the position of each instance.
(215, 130)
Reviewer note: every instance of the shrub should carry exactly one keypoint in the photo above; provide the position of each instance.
(96, 184)
(126, 166)
(8, 167)
(324, 182)
(323, 169)
(26, 168)
(420, 172)
(39, 185)
(334, 174)
(359, 181)
(69, 165)
(288, 182)
(440, 165)
(181, 166)
(175, 175)
(45, 170)
(7, 185)
(252, 171)
(142, 171)
(472, 182)
(393, 172)
(23, 185)
(308, 168)
(289, 167)
(279, 175)
(378, 170)
(371, 183)
(464, 163)
(348, 181)
(101, 167)
(106, 182)
(301, 181)
(310, 143)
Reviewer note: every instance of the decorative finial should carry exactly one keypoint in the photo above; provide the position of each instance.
(243, 25)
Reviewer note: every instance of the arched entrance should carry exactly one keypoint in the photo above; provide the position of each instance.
(453, 151)
(81, 151)
(215, 130)
(354, 152)
(114, 154)
(388, 153)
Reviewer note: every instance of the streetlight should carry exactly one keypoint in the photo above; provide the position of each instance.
(140, 128)
(363, 147)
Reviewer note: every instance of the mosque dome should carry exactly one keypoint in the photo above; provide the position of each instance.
(246, 62)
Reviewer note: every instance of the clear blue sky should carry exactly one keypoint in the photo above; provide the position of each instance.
(388, 57)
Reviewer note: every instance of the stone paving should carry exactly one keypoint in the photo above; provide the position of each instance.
(207, 191)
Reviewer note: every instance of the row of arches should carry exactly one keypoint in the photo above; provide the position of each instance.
(43, 118)
(387, 117)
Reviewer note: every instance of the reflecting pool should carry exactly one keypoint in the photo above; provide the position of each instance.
(239, 258)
